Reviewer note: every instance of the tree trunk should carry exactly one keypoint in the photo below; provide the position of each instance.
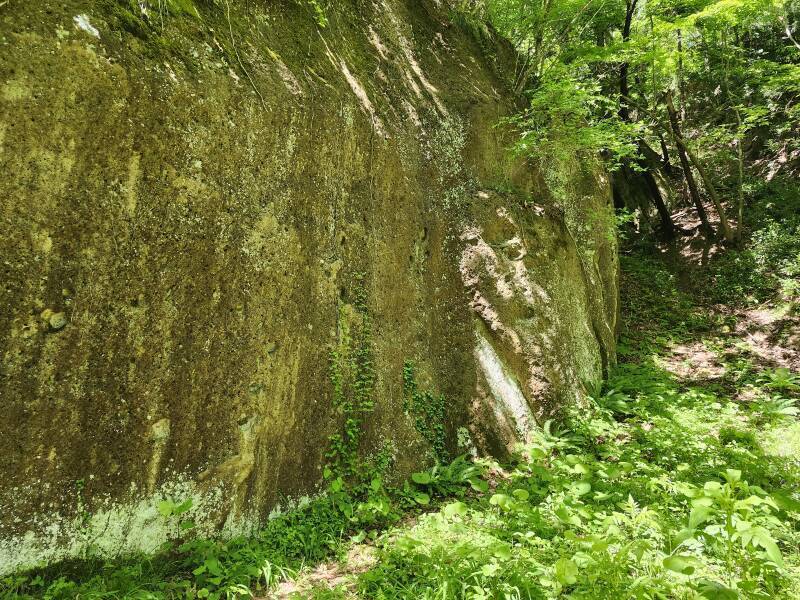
(740, 179)
(687, 168)
(648, 164)
(681, 95)
(667, 226)
(521, 73)
(723, 218)
(624, 90)
(665, 163)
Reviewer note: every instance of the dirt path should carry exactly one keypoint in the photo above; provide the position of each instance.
(327, 576)
(762, 335)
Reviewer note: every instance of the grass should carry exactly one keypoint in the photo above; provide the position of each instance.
(661, 486)
(197, 568)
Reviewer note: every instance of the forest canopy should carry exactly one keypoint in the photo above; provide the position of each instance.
(701, 91)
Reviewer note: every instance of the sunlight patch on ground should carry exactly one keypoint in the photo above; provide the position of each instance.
(782, 441)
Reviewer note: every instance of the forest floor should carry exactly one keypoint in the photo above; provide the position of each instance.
(771, 334)
(679, 479)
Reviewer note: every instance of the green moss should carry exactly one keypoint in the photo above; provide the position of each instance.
(126, 15)
(180, 7)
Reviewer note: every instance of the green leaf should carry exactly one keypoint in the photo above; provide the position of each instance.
(700, 514)
(213, 566)
(521, 494)
(421, 478)
(502, 551)
(581, 488)
(359, 537)
(500, 500)
(566, 571)
(743, 525)
(563, 514)
(454, 508)
(716, 591)
(479, 485)
(733, 475)
(680, 563)
(786, 502)
(345, 507)
(581, 469)
(638, 548)
(750, 501)
(703, 501)
(165, 508)
(764, 539)
(422, 498)
(183, 507)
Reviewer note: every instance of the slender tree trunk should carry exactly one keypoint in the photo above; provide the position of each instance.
(687, 168)
(740, 179)
(648, 163)
(681, 94)
(667, 165)
(539, 36)
(624, 90)
(788, 30)
(667, 226)
(521, 73)
(654, 89)
(536, 54)
(681, 100)
(724, 224)
(624, 108)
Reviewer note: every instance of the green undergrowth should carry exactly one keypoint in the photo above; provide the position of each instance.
(659, 487)
(767, 267)
(356, 509)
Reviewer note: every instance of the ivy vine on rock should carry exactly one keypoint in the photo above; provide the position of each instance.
(427, 410)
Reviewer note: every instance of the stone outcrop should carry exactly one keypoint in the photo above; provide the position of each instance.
(199, 203)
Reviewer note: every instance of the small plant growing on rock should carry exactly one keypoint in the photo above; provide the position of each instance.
(174, 513)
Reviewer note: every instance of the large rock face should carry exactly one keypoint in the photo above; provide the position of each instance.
(199, 205)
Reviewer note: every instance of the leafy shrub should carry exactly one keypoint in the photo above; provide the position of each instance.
(772, 409)
(734, 435)
(770, 261)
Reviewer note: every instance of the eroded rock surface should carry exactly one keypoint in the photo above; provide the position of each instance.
(194, 211)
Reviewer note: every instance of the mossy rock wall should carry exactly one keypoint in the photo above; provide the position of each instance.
(190, 202)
